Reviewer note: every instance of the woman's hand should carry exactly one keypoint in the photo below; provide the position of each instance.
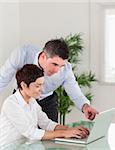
(77, 132)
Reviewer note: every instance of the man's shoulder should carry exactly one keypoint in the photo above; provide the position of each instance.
(29, 47)
(25, 51)
(28, 53)
(68, 66)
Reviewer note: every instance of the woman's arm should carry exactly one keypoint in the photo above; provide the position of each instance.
(66, 132)
(61, 127)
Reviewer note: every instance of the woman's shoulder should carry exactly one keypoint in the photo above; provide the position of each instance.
(11, 100)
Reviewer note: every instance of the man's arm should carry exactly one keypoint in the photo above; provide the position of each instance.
(74, 92)
(8, 70)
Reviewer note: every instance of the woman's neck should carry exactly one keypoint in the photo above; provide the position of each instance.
(24, 95)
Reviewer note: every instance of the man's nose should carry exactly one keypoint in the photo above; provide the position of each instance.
(57, 69)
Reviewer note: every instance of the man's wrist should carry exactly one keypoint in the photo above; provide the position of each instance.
(85, 106)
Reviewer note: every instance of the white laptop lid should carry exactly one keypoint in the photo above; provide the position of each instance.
(101, 125)
(99, 130)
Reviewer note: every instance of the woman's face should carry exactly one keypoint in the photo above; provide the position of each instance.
(35, 88)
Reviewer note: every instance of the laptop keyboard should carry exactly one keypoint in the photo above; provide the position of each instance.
(86, 124)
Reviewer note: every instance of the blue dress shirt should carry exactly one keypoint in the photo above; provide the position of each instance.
(28, 54)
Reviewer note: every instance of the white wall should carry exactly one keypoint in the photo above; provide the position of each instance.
(37, 22)
(9, 35)
(43, 21)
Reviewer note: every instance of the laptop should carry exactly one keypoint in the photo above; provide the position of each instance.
(99, 129)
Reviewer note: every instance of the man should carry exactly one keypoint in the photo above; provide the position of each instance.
(57, 70)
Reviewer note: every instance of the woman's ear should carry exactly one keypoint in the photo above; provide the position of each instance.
(23, 85)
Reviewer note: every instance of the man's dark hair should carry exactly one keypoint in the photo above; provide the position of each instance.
(56, 47)
(28, 73)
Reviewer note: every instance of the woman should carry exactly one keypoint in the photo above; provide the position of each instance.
(21, 115)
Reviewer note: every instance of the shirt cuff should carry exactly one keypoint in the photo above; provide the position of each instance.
(37, 135)
(82, 100)
(52, 126)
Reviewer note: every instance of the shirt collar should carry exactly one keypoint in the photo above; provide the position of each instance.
(21, 100)
(36, 62)
(36, 58)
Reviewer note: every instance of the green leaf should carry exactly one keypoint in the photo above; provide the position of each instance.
(89, 96)
(86, 80)
(75, 45)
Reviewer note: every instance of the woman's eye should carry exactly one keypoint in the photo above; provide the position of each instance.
(37, 86)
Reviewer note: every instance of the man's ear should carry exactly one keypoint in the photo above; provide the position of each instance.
(23, 85)
(43, 56)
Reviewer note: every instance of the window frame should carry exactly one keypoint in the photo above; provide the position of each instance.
(98, 27)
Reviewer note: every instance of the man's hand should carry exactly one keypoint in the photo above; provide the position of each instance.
(89, 112)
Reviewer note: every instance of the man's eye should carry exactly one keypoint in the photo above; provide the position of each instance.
(55, 64)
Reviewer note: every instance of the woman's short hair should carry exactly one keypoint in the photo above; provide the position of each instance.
(28, 73)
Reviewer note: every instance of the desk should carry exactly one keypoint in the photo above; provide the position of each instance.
(106, 143)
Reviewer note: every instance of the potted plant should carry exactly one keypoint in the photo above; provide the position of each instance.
(75, 44)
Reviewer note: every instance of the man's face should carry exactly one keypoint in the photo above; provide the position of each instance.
(53, 65)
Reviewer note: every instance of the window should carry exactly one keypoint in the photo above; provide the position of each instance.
(109, 46)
